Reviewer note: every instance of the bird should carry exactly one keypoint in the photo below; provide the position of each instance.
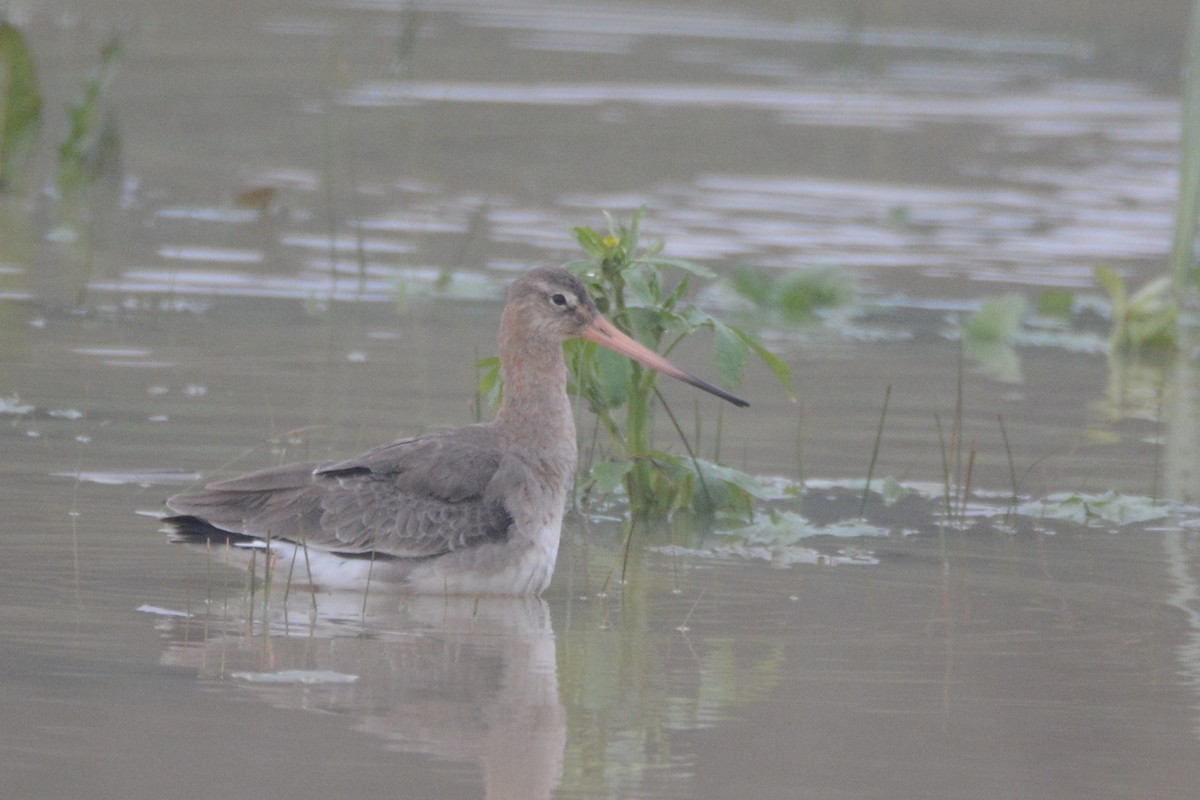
(476, 510)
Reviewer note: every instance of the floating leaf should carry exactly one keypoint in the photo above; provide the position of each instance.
(1117, 509)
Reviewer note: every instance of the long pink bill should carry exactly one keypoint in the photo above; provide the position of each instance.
(605, 334)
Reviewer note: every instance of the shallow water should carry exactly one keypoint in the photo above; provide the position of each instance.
(160, 334)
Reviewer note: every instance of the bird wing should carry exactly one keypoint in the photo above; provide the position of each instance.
(410, 499)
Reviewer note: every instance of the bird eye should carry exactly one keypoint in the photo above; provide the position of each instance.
(559, 299)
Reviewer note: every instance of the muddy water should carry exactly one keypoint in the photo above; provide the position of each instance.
(159, 333)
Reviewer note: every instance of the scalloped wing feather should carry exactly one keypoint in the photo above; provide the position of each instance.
(414, 498)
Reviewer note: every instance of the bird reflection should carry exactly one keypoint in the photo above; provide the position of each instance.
(454, 677)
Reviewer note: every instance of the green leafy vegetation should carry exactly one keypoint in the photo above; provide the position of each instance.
(20, 103)
(1183, 248)
(996, 320)
(631, 287)
(798, 294)
(1110, 507)
(91, 148)
(1145, 320)
(987, 337)
(1057, 304)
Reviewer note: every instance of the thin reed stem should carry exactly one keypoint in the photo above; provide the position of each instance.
(887, 395)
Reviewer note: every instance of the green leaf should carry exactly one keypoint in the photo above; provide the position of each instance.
(591, 242)
(631, 235)
(1114, 284)
(1056, 303)
(783, 373)
(20, 102)
(579, 268)
(797, 294)
(490, 386)
(698, 270)
(635, 281)
(996, 320)
(1151, 297)
(729, 355)
(735, 477)
(614, 376)
(680, 290)
(1110, 507)
(608, 475)
(647, 323)
(893, 491)
(755, 285)
(90, 149)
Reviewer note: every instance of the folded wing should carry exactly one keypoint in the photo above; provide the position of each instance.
(414, 498)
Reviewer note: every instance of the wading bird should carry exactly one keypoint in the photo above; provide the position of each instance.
(476, 510)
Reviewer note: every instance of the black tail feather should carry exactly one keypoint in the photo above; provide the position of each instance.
(187, 529)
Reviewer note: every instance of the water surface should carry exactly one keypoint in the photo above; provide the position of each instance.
(159, 333)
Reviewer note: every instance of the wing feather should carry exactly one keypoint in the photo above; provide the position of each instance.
(413, 498)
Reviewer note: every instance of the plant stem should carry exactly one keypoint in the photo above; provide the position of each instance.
(887, 394)
(1184, 245)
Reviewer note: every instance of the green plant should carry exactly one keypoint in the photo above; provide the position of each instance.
(798, 294)
(996, 320)
(20, 102)
(630, 287)
(90, 149)
(1145, 320)
(1056, 303)
(1183, 247)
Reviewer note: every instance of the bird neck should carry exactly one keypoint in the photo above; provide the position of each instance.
(535, 388)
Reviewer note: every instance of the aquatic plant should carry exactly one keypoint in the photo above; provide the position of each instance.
(1056, 304)
(90, 150)
(1145, 320)
(630, 286)
(20, 103)
(1183, 247)
(987, 337)
(996, 320)
(1109, 508)
(796, 294)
